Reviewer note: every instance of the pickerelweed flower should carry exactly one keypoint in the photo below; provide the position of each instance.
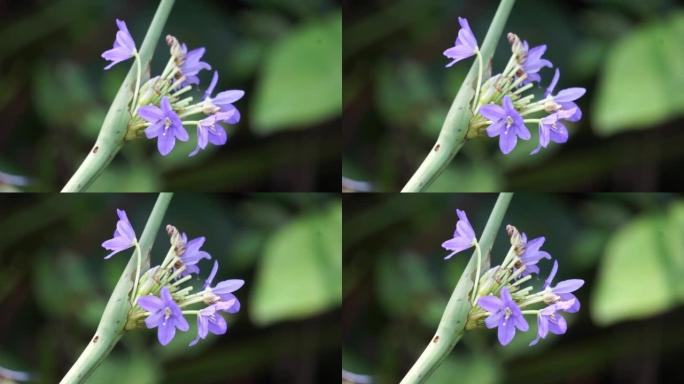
(563, 290)
(166, 126)
(209, 130)
(464, 236)
(223, 291)
(464, 46)
(531, 62)
(124, 46)
(500, 300)
(124, 235)
(162, 301)
(551, 128)
(164, 314)
(164, 106)
(501, 106)
(191, 64)
(505, 314)
(223, 101)
(532, 254)
(209, 319)
(506, 123)
(550, 320)
(192, 254)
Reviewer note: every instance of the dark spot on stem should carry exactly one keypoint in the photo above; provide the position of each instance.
(437, 147)
(96, 338)
(435, 340)
(95, 148)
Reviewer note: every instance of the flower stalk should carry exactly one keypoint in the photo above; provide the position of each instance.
(452, 325)
(114, 317)
(455, 127)
(113, 131)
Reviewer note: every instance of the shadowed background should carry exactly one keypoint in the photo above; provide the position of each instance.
(627, 247)
(54, 285)
(286, 55)
(626, 53)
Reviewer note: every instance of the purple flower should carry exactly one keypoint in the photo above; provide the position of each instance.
(166, 125)
(210, 131)
(533, 62)
(192, 254)
(505, 314)
(532, 254)
(506, 123)
(564, 289)
(464, 236)
(124, 235)
(192, 64)
(566, 97)
(124, 46)
(164, 314)
(224, 290)
(224, 100)
(552, 129)
(464, 46)
(549, 320)
(209, 319)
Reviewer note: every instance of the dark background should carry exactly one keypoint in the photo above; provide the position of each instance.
(54, 93)
(627, 248)
(54, 284)
(626, 53)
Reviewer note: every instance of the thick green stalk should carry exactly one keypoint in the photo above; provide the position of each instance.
(111, 137)
(111, 326)
(452, 325)
(455, 126)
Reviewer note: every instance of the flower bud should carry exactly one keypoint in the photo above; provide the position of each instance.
(517, 47)
(176, 239)
(177, 51)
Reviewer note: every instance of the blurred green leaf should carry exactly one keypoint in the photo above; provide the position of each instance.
(302, 78)
(470, 368)
(136, 178)
(467, 178)
(642, 78)
(641, 271)
(301, 271)
(136, 368)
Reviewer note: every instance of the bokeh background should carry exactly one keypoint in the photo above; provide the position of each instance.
(628, 248)
(286, 55)
(54, 285)
(626, 53)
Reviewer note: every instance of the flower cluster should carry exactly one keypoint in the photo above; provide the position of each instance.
(160, 109)
(500, 300)
(501, 107)
(161, 300)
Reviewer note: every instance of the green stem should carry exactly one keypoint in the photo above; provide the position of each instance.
(480, 65)
(455, 126)
(115, 125)
(134, 104)
(115, 314)
(477, 273)
(452, 325)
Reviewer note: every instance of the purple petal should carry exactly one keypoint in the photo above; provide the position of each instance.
(552, 275)
(506, 332)
(493, 320)
(490, 303)
(553, 84)
(212, 85)
(165, 332)
(151, 113)
(165, 142)
(228, 97)
(492, 112)
(212, 274)
(569, 94)
(568, 286)
(228, 286)
(218, 136)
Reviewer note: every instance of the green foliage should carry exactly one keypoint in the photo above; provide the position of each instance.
(643, 78)
(302, 78)
(642, 268)
(301, 270)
